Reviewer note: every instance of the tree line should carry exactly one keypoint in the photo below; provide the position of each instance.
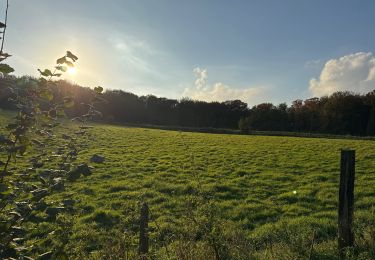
(340, 113)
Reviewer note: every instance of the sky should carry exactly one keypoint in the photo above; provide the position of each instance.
(214, 50)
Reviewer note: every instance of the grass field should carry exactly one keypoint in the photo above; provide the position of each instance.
(239, 197)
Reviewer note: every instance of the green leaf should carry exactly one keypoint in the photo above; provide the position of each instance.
(98, 89)
(45, 73)
(61, 68)
(69, 63)
(62, 60)
(6, 69)
(71, 56)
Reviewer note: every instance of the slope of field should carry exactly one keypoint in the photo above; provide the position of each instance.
(237, 196)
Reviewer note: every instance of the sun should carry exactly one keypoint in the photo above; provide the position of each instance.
(72, 70)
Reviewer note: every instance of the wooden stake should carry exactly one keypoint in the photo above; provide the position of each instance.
(346, 201)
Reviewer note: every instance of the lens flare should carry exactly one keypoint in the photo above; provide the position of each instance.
(72, 70)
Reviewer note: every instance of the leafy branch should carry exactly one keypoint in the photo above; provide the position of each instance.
(37, 116)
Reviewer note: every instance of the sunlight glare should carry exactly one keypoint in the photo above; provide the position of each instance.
(72, 70)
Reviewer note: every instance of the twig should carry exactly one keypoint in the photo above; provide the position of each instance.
(5, 22)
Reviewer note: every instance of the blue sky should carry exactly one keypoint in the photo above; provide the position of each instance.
(258, 51)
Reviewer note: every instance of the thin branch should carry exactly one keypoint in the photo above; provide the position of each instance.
(5, 22)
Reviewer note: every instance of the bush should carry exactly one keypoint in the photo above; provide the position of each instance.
(243, 125)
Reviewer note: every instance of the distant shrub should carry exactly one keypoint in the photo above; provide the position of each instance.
(243, 125)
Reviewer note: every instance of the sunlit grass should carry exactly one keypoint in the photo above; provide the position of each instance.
(273, 190)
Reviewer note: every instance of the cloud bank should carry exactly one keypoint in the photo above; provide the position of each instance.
(353, 72)
(218, 91)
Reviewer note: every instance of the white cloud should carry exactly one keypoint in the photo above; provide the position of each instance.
(218, 91)
(353, 72)
(201, 75)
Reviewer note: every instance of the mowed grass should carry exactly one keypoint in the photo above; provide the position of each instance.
(265, 197)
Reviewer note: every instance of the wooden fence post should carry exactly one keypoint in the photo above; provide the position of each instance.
(346, 201)
(143, 236)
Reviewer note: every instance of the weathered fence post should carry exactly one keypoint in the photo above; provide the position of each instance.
(143, 236)
(346, 201)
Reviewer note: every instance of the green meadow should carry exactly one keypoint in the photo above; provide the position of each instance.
(210, 196)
